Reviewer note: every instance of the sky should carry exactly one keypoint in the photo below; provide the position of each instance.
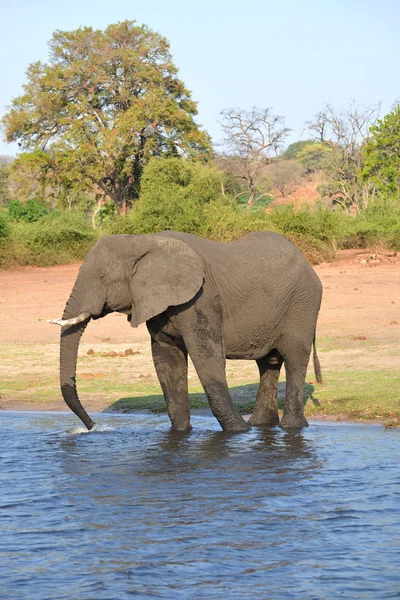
(290, 55)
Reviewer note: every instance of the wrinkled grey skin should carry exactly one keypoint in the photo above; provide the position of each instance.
(255, 298)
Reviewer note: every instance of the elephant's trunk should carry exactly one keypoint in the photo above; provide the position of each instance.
(69, 344)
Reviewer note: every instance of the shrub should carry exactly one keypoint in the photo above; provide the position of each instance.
(319, 223)
(4, 225)
(378, 224)
(56, 238)
(60, 231)
(174, 194)
(105, 216)
(29, 212)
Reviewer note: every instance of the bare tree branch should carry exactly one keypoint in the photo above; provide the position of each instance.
(345, 132)
(252, 139)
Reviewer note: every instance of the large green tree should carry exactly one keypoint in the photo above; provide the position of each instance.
(382, 154)
(103, 105)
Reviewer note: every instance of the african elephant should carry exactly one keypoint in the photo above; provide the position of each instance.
(254, 298)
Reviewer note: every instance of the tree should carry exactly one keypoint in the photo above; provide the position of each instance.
(293, 149)
(103, 105)
(381, 154)
(284, 175)
(344, 132)
(315, 156)
(31, 173)
(4, 180)
(252, 138)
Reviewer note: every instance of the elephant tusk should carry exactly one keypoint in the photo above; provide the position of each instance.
(69, 322)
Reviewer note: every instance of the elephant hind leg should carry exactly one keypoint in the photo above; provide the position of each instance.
(170, 362)
(266, 407)
(296, 357)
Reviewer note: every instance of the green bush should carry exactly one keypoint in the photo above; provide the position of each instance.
(319, 223)
(56, 238)
(378, 224)
(223, 221)
(4, 225)
(262, 203)
(174, 194)
(106, 215)
(60, 231)
(186, 196)
(29, 212)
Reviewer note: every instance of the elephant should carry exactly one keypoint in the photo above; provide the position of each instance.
(256, 298)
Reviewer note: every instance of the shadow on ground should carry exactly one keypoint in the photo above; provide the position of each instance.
(243, 396)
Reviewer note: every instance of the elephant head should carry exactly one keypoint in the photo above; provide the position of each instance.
(141, 275)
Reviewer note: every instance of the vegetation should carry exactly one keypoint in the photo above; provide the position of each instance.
(293, 149)
(174, 195)
(121, 134)
(189, 196)
(351, 393)
(252, 139)
(382, 154)
(4, 183)
(4, 226)
(315, 156)
(29, 212)
(283, 176)
(56, 238)
(100, 108)
(344, 133)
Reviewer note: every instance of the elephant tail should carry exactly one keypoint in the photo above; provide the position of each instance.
(317, 366)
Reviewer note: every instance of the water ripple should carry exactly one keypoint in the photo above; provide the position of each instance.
(134, 510)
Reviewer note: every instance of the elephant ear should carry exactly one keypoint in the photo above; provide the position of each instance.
(169, 273)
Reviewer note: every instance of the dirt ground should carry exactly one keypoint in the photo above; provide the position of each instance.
(358, 330)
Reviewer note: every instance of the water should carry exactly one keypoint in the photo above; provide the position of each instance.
(135, 511)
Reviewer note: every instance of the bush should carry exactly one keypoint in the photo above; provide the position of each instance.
(4, 183)
(56, 238)
(60, 231)
(184, 196)
(30, 212)
(174, 194)
(378, 224)
(107, 214)
(4, 225)
(320, 223)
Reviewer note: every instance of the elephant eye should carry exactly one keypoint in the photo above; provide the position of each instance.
(102, 275)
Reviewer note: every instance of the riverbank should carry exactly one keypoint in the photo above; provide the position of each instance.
(358, 344)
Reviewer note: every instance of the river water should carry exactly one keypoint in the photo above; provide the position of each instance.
(136, 511)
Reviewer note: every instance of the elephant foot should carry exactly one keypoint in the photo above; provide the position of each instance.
(293, 421)
(237, 427)
(181, 427)
(270, 419)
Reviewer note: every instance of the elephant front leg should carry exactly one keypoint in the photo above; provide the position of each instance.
(170, 362)
(209, 363)
(266, 407)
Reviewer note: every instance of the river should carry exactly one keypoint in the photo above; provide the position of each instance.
(133, 510)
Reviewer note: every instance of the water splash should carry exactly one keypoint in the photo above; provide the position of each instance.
(81, 429)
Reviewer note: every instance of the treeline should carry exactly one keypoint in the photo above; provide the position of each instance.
(189, 196)
(110, 144)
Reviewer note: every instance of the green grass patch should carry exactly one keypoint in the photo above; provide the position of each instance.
(348, 394)
(358, 395)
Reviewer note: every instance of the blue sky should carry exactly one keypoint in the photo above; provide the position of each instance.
(290, 55)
